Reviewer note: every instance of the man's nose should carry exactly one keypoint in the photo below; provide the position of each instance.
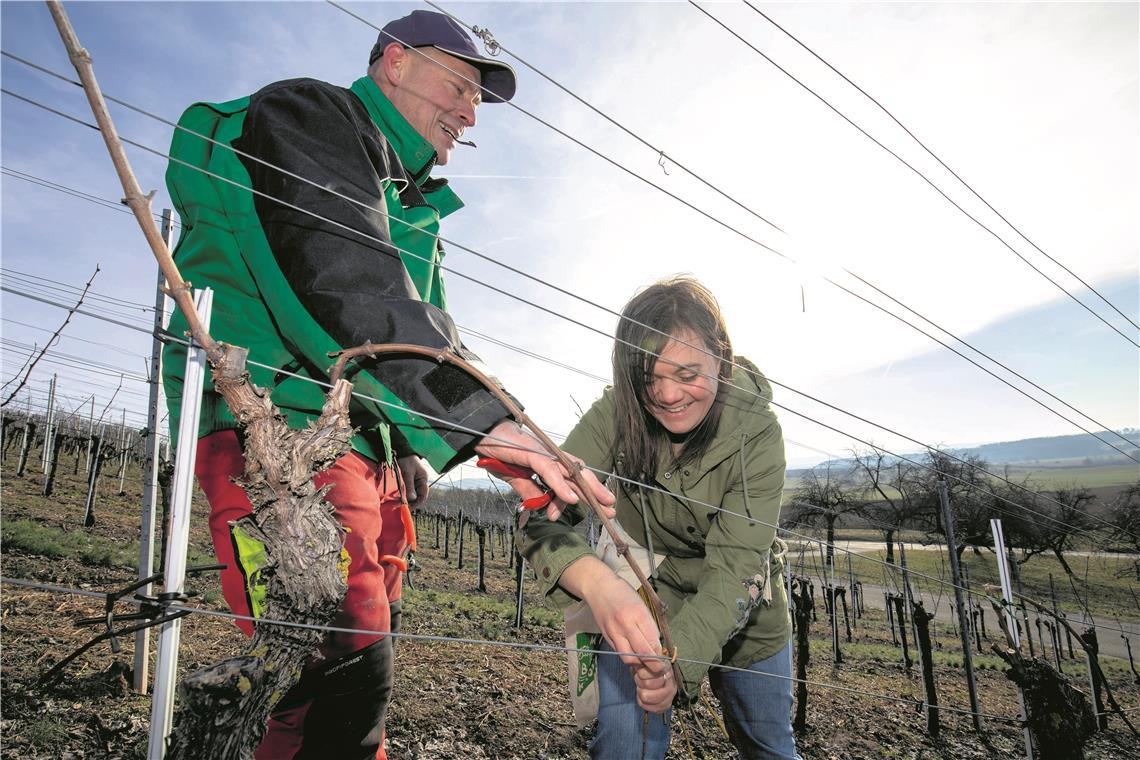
(466, 114)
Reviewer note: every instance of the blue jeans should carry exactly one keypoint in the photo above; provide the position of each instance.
(757, 711)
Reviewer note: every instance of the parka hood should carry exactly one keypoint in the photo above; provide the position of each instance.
(748, 397)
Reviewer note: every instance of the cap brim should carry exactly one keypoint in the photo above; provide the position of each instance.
(498, 77)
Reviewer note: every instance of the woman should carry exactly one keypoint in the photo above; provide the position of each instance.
(701, 459)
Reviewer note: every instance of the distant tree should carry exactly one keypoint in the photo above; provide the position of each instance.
(1055, 522)
(971, 498)
(892, 493)
(1124, 513)
(826, 493)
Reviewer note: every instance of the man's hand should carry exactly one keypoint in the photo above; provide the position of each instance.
(509, 442)
(415, 477)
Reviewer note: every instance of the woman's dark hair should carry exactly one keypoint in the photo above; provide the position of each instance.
(647, 322)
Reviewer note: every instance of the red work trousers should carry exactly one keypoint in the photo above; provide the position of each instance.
(367, 500)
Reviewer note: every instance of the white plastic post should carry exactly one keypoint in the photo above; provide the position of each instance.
(1010, 617)
(150, 467)
(166, 668)
(49, 425)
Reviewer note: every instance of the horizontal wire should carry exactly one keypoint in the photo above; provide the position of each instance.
(525, 646)
(659, 151)
(479, 433)
(916, 463)
(525, 274)
(65, 336)
(460, 274)
(98, 200)
(602, 332)
(932, 154)
(51, 352)
(84, 312)
(95, 295)
(41, 408)
(937, 189)
(532, 354)
(788, 258)
(55, 290)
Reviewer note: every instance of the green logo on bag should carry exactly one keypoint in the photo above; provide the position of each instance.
(587, 660)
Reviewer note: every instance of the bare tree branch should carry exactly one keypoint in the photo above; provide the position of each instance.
(52, 340)
(21, 369)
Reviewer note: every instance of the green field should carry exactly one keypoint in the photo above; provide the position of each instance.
(1046, 474)
(1106, 584)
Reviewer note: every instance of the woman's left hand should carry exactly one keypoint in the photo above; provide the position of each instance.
(655, 689)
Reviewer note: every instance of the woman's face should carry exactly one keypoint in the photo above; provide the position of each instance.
(683, 385)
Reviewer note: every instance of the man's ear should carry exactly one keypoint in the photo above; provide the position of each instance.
(395, 63)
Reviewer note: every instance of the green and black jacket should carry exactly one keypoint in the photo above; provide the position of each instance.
(299, 271)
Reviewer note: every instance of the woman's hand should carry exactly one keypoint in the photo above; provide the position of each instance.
(655, 689)
(624, 619)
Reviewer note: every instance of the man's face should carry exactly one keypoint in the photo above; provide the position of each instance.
(436, 95)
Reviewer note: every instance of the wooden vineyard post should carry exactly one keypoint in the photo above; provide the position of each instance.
(899, 600)
(460, 531)
(1061, 616)
(802, 611)
(889, 606)
(25, 446)
(842, 591)
(446, 538)
(53, 464)
(123, 450)
(520, 565)
(482, 533)
(922, 620)
(829, 569)
(96, 464)
(963, 625)
(1092, 648)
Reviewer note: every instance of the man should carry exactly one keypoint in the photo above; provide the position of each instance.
(315, 226)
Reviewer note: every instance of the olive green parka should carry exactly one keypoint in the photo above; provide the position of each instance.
(714, 519)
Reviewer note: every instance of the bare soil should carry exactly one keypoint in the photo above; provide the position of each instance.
(453, 700)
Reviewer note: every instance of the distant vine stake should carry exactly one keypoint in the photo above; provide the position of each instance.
(224, 708)
(656, 606)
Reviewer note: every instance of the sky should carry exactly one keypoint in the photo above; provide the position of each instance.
(1035, 105)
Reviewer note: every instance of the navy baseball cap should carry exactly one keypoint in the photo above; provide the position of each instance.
(431, 29)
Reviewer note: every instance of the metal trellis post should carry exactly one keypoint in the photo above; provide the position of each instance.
(166, 667)
(150, 468)
(1011, 621)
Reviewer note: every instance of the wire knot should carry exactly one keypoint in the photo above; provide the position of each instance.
(489, 42)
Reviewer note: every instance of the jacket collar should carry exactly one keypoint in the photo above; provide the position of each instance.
(416, 154)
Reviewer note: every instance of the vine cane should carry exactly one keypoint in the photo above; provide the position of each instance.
(572, 467)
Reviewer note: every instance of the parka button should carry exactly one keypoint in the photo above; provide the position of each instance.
(546, 572)
(691, 529)
(668, 475)
(686, 472)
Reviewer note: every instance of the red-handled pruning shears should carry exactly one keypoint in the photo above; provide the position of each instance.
(505, 470)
